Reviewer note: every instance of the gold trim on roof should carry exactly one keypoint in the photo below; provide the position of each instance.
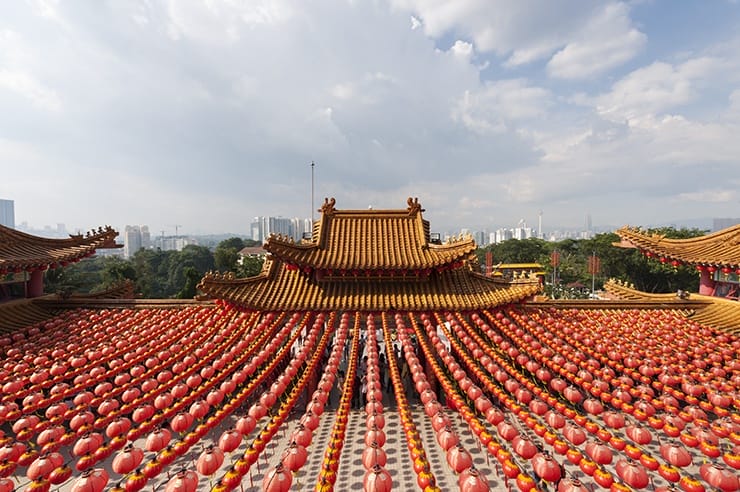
(278, 288)
(21, 251)
(360, 240)
(721, 248)
(723, 314)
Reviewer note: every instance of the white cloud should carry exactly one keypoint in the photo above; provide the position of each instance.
(27, 86)
(585, 38)
(608, 40)
(229, 112)
(222, 22)
(497, 105)
(653, 89)
(462, 50)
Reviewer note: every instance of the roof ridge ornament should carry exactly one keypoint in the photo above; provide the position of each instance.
(328, 207)
(413, 205)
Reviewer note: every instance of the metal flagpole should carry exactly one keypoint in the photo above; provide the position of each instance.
(312, 207)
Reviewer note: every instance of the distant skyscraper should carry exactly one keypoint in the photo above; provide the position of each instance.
(133, 239)
(7, 213)
(262, 227)
(146, 238)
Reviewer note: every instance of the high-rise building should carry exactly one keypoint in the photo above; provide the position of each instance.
(146, 238)
(7, 213)
(262, 227)
(133, 239)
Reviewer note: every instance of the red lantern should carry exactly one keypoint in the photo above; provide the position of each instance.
(373, 455)
(158, 440)
(675, 454)
(377, 480)
(229, 440)
(127, 460)
(91, 481)
(600, 453)
(523, 447)
(184, 481)
(546, 467)
(295, 457)
(459, 459)
(471, 480)
(210, 461)
(633, 474)
(44, 465)
(279, 479)
(719, 476)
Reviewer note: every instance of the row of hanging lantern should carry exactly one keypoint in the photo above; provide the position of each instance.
(377, 478)
(544, 466)
(232, 438)
(158, 441)
(670, 470)
(591, 466)
(458, 458)
(268, 398)
(153, 468)
(327, 476)
(424, 476)
(723, 363)
(672, 423)
(294, 457)
(86, 445)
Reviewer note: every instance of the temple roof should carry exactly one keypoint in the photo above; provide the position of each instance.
(721, 248)
(723, 314)
(370, 240)
(280, 288)
(23, 252)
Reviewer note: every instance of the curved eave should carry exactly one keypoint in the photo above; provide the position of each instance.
(284, 289)
(24, 252)
(723, 314)
(406, 258)
(721, 249)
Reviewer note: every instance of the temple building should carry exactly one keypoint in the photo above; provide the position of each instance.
(24, 258)
(367, 357)
(374, 260)
(716, 258)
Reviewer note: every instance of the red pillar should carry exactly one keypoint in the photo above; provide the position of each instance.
(35, 286)
(706, 283)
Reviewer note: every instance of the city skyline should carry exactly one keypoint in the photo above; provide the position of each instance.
(205, 114)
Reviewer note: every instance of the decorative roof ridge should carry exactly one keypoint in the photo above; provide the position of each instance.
(268, 271)
(91, 236)
(638, 231)
(523, 280)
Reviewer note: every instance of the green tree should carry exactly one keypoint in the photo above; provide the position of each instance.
(198, 257)
(226, 255)
(116, 270)
(192, 277)
(250, 266)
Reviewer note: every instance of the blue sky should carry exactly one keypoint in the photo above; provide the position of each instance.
(205, 114)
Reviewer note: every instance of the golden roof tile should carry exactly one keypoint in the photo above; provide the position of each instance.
(278, 288)
(721, 248)
(723, 314)
(362, 240)
(24, 252)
